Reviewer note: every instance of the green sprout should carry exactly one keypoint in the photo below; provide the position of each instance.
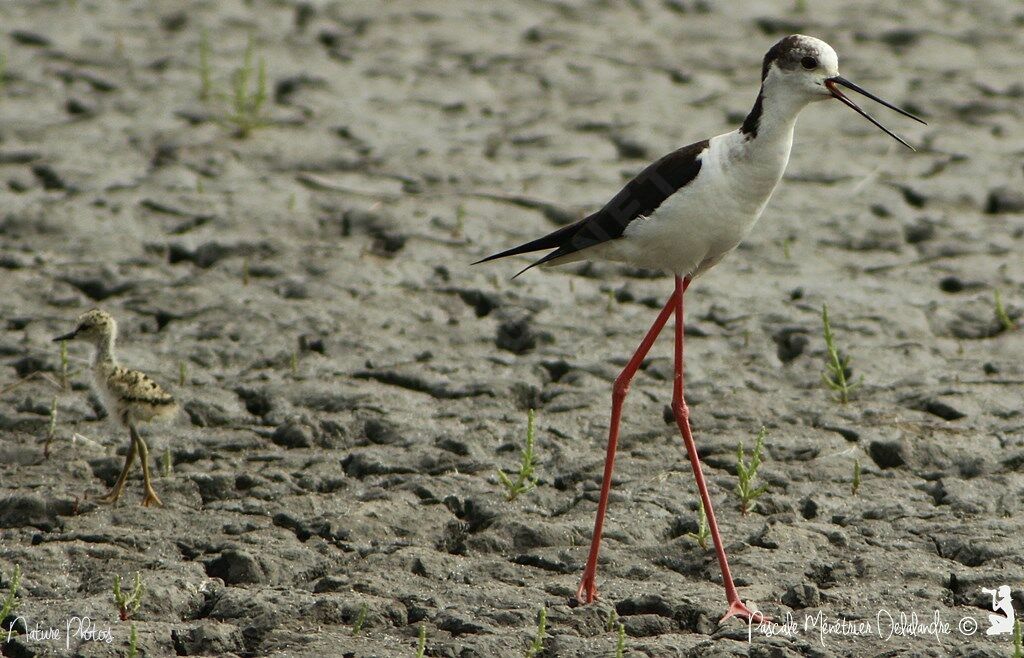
(357, 628)
(64, 364)
(747, 472)
(128, 605)
(703, 532)
(11, 600)
(538, 640)
(1018, 644)
(525, 479)
(856, 476)
(613, 620)
(248, 96)
(182, 373)
(166, 466)
(838, 367)
(133, 642)
(1004, 318)
(421, 644)
(205, 70)
(51, 432)
(620, 642)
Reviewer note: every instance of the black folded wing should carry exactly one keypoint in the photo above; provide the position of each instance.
(639, 198)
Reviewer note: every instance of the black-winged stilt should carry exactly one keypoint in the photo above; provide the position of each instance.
(683, 214)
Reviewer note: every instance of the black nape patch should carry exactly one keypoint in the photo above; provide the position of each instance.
(785, 52)
(753, 120)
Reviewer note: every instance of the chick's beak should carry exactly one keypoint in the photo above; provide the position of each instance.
(67, 336)
(831, 84)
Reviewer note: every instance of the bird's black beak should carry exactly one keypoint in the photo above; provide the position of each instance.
(67, 336)
(831, 83)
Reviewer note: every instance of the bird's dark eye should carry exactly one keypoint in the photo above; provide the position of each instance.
(809, 63)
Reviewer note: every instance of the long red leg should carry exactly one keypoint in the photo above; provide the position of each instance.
(682, 414)
(588, 586)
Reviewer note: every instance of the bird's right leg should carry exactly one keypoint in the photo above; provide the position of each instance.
(587, 591)
(151, 498)
(115, 492)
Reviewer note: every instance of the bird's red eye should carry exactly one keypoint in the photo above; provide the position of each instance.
(809, 63)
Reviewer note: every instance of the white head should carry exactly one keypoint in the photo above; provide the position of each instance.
(799, 70)
(97, 327)
(798, 66)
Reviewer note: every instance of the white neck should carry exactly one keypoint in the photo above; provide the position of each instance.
(104, 351)
(773, 118)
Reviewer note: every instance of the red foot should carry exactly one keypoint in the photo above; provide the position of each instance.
(587, 593)
(738, 609)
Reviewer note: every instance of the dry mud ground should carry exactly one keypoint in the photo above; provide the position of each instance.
(351, 384)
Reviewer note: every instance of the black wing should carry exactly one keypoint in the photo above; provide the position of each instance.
(639, 198)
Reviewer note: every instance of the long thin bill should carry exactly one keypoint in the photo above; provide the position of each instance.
(842, 97)
(864, 92)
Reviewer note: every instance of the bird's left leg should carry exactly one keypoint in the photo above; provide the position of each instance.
(151, 497)
(115, 492)
(682, 415)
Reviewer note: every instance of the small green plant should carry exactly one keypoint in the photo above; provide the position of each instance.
(421, 644)
(245, 271)
(613, 620)
(524, 479)
(166, 465)
(51, 432)
(133, 642)
(128, 604)
(1018, 643)
(836, 375)
(747, 472)
(64, 364)
(538, 640)
(856, 476)
(357, 627)
(248, 96)
(800, 7)
(620, 642)
(703, 532)
(205, 70)
(1004, 318)
(460, 222)
(182, 373)
(11, 600)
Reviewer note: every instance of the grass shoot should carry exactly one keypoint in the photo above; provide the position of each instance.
(703, 532)
(538, 640)
(11, 600)
(421, 644)
(524, 479)
(133, 642)
(128, 604)
(620, 642)
(747, 471)
(1005, 321)
(357, 627)
(837, 373)
(248, 95)
(856, 476)
(51, 432)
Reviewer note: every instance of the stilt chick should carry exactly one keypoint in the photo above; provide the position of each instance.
(129, 396)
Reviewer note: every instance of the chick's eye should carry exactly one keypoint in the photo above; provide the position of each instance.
(809, 63)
